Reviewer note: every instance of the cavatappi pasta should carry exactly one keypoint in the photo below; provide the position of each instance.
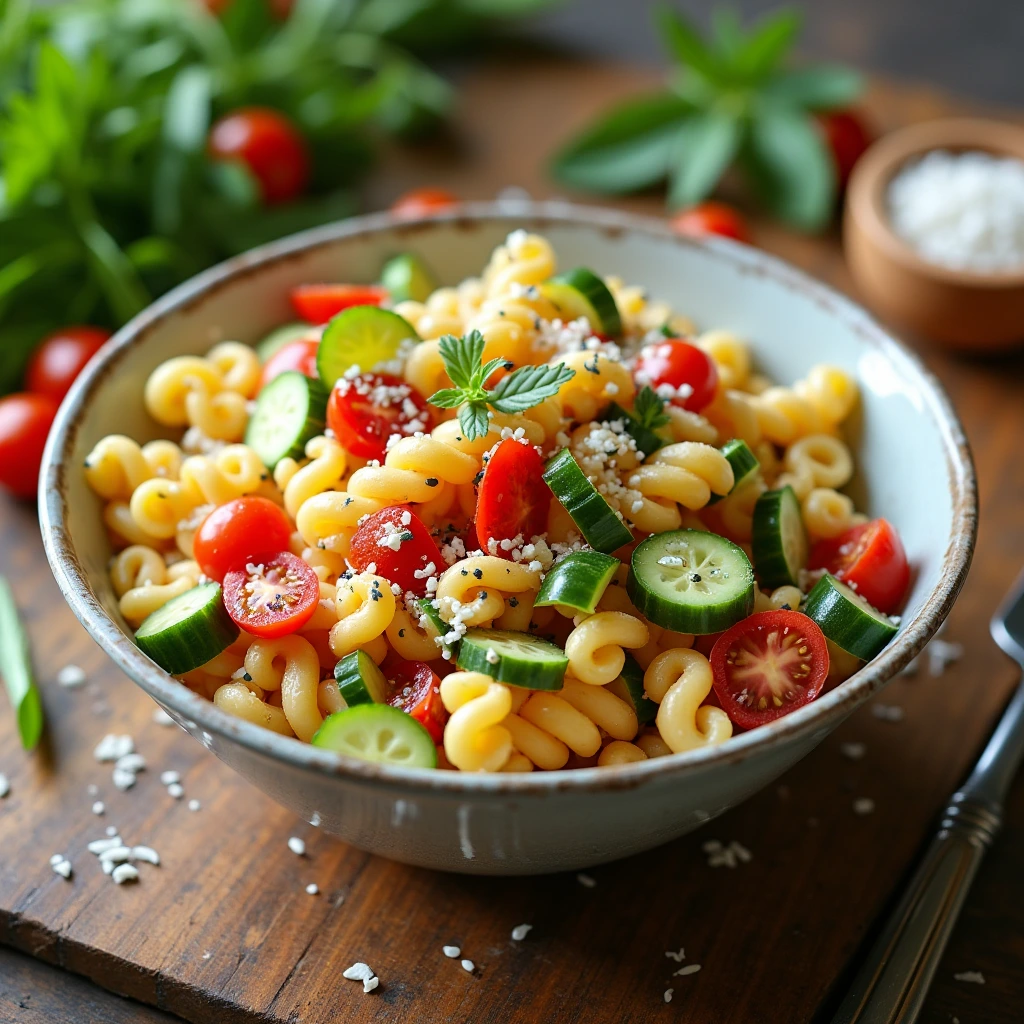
(524, 621)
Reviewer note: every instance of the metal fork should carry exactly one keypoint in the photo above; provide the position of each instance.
(892, 983)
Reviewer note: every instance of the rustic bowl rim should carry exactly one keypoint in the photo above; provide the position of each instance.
(865, 196)
(200, 714)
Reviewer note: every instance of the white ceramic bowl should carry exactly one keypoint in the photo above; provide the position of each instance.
(914, 467)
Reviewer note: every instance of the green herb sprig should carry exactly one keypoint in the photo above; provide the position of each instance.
(733, 100)
(649, 409)
(16, 670)
(523, 389)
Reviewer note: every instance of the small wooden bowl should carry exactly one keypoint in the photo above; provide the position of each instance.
(962, 309)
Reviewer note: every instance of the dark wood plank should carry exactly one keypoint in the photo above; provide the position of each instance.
(224, 930)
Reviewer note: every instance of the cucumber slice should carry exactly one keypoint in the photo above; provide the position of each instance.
(440, 627)
(779, 540)
(743, 461)
(279, 337)
(630, 687)
(378, 733)
(290, 410)
(581, 292)
(188, 631)
(406, 277)
(691, 581)
(362, 336)
(847, 619)
(360, 681)
(518, 659)
(577, 581)
(602, 528)
(647, 441)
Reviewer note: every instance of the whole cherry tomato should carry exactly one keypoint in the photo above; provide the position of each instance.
(25, 420)
(296, 355)
(318, 303)
(681, 365)
(60, 358)
(421, 202)
(711, 218)
(237, 532)
(847, 136)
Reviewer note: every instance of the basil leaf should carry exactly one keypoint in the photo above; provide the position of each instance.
(462, 357)
(727, 32)
(791, 168)
(16, 668)
(768, 43)
(630, 148)
(474, 420)
(447, 398)
(529, 386)
(818, 88)
(705, 146)
(686, 45)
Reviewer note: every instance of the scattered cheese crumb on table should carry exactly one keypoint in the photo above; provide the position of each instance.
(521, 931)
(586, 881)
(686, 971)
(5, 785)
(468, 965)
(313, 889)
(71, 676)
(863, 805)
(853, 751)
(297, 846)
(974, 977)
(98, 807)
(452, 952)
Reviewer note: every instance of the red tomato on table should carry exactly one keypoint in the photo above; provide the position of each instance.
(421, 202)
(711, 218)
(239, 532)
(364, 411)
(847, 137)
(418, 694)
(679, 364)
(276, 599)
(296, 355)
(399, 559)
(513, 498)
(767, 665)
(61, 357)
(318, 303)
(870, 559)
(25, 420)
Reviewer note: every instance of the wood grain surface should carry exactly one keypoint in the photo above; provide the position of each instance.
(223, 930)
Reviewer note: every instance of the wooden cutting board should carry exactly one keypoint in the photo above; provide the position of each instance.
(224, 930)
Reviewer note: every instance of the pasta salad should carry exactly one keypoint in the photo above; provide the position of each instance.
(531, 522)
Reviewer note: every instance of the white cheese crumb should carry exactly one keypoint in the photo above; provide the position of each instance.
(146, 853)
(92, 789)
(5, 785)
(123, 780)
(61, 867)
(160, 717)
(297, 846)
(586, 881)
(668, 995)
(133, 763)
(116, 854)
(492, 656)
(452, 952)
(679, 957)
(99, 846)
(175, 790)
(194, 805)
(520, 931)
(888, 712)
(98, 807)
(468, 965)
(313, 889)
(854, 751)
(112, 747)
(369, 984)
(125, 873)
(863, 805)
(686, 971)
(358, 972)
(975, 977)
(168, 778)
(71, 676)
(111, 830)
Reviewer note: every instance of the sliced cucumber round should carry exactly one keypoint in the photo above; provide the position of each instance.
(359, 680)
(188, 631)
(779, 540)
(577, 581)
(847, 619)
(581, 292)
(378, 733)
(743, 461)
(290, 411)
(597, 521)
(362, 336)
(406, 277)
(630, 687)
(518, 659)
(647, 441)
(279, 337)
(691, 581)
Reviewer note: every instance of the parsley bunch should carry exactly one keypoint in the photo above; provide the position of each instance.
(526, 387)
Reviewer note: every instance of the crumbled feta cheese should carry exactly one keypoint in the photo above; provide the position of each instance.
(520, 931)
(452, 952)
(71, 676)
(297, 846)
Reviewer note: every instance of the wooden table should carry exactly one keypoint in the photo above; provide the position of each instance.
(224, 930)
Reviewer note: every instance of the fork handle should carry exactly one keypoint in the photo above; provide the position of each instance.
(891, 985)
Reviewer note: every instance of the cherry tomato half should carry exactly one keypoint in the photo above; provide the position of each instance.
(847, 137)
(870, 559)
(679, 363)
(25, 420)
(422, 202)
(269, 145)
(60, 358)
(767, 665)
(365, 411)
(513, 499)
(318, 303)
(418, 694)
(239, 532)
(296, 355)
(711, 218)
(278, 598)
(412, 550)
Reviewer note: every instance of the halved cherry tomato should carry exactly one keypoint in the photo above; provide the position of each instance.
(60, 358)
(847, 137)
(418, 694)
(318, 303)
(679, 363)
(239, 532)
(269, 145)
(365, 411)
(421, 202)
(870, 559)
(711, 218)
(25, 420)
(412, 550)
(278, 598)
(513, 499)
(296, 355)
(767, 665)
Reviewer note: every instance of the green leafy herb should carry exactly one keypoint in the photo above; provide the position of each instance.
(16, 669)
(523, 389)
(649, 410)
(732, 101)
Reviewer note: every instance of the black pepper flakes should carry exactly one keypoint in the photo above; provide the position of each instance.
(478, 573)
(513, 602)
(432, 481)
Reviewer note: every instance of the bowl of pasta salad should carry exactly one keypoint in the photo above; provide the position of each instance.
(510, 540)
